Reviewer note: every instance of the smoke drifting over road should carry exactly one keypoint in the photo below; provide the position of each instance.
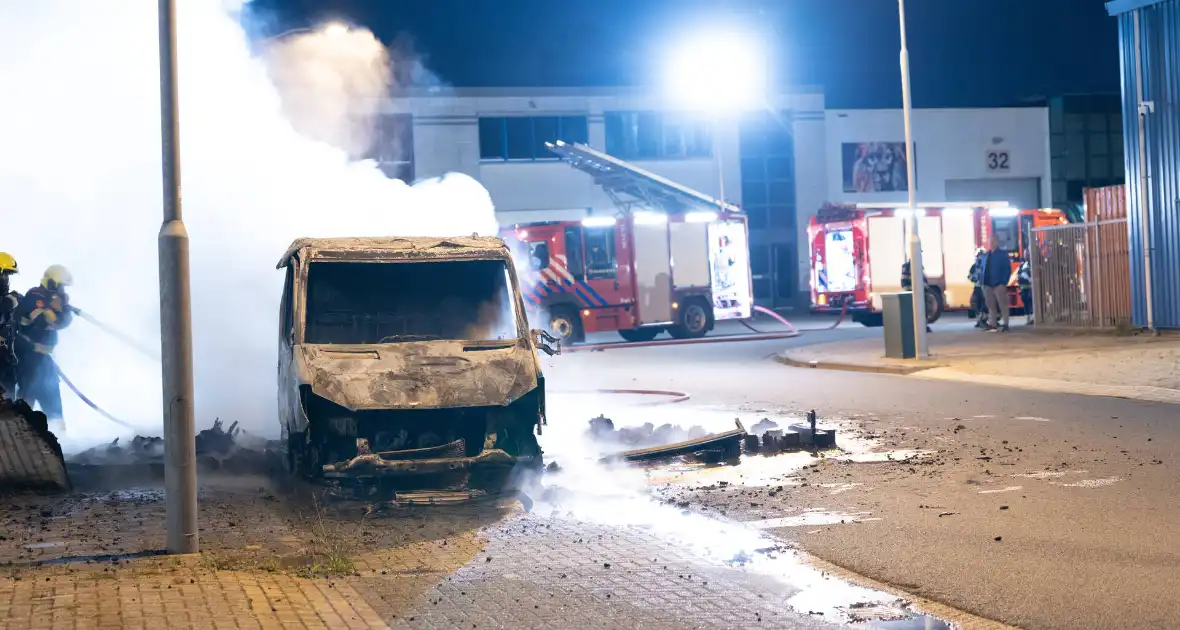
(80, 186)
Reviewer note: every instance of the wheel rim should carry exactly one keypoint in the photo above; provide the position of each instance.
(931, 305)
(694, 318)
(562, 327)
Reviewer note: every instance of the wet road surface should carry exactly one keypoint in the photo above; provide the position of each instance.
(1041, 510)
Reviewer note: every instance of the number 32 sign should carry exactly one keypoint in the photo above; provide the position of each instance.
(997, 160)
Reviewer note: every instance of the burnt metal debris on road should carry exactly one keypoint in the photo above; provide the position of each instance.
(669, 441)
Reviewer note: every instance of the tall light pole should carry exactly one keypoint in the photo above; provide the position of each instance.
(917, 272)
(720, 164)
(176, 332)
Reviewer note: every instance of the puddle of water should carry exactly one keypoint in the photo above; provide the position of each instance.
(1033, 418)
(918, 622)
(1090, 483)
(1048, 474)
(754, 471)
(997, 491)
(813, 517)
(840, 488)
(888, 456)
(46, 545)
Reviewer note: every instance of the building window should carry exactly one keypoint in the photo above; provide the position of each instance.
(393, 147)
(658, 136)
(524, 137)
(768, 171)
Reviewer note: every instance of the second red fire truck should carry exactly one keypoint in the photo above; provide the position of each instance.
(857, 253)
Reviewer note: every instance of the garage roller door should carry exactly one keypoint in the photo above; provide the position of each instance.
(1019, 192)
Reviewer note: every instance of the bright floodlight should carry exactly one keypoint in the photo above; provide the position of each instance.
(335, 28)
(718, 72)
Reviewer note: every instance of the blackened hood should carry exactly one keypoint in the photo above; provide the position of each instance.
(419, 375)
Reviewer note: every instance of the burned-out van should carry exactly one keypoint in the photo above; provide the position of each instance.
(407, 361)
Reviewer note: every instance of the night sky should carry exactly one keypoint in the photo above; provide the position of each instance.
(963, 53)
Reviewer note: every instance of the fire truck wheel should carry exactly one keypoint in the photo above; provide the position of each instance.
(693, 320)
(934, 305)
(639, 334)
(565, 324)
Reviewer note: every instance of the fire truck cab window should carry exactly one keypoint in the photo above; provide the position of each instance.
(573, 252)
(600, 253)
(538, 256)
(1026, 225)
(1007, 230)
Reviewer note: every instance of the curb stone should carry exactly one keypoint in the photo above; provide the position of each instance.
(943, 372)
(1145, 393)
(901, 370)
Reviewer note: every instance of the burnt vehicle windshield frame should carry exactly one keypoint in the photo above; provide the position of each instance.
(303, 265)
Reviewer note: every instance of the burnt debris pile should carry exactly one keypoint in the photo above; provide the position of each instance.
(648, 442)
(219, 449)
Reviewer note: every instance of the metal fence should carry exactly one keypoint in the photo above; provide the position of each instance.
(1081, 275)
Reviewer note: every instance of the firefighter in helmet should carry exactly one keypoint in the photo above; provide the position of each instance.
(9, 300)
(907, 282)
(42, 312)
(1024, 283)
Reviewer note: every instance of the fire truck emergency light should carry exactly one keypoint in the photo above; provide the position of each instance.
(598, 221)
(700, 217)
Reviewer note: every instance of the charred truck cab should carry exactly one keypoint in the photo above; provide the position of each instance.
(406, 364)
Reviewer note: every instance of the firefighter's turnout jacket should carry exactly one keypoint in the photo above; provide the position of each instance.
(40, 314)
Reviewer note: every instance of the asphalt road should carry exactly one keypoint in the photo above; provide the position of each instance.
(1057, 511)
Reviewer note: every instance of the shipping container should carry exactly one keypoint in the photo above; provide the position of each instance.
(1149, 41)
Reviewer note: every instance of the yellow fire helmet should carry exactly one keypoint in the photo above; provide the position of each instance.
(8, 263)
(58, 275)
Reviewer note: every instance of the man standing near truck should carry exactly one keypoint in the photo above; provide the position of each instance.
(994, 275)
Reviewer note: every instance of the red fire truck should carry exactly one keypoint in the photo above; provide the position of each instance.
(857, 253)
(671, 259)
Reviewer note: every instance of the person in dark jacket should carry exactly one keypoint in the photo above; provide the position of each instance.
(994, 276)
(43, 311)
(9, 300)
(978, 302)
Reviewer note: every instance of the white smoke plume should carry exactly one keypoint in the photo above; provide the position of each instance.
(80, 186)
(332, 80)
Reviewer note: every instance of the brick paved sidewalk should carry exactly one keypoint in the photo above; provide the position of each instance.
(267, 563)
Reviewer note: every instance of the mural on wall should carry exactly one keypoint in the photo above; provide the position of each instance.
(872, 167)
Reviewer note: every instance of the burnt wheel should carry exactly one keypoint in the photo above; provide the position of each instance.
(639, 334)
(693, 320)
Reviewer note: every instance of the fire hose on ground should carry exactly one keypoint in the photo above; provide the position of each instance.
(758, 336)
(120, 336)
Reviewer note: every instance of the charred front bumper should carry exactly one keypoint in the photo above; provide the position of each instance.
(427, 461)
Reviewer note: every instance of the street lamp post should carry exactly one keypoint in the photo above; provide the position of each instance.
(176, 335)
(917, 272)
(720, 164)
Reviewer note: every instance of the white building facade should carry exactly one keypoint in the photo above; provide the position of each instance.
(779, 165)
